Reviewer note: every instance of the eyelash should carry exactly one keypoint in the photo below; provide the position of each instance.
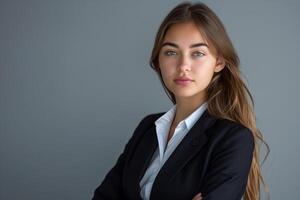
(197, 52)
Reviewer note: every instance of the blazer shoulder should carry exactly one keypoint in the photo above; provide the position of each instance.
(155, 115)
(146, 122)
(151, 118)
(235, 131)
(231, 125)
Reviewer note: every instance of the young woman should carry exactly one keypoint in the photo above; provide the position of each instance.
(207, 145)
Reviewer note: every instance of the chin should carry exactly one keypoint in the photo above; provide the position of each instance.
(184, 94)
(187, 93)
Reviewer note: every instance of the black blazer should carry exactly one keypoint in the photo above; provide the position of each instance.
(214, 158)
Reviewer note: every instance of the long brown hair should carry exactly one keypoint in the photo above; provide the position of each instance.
(227, 95)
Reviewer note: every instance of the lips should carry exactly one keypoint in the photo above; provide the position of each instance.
(183, 81)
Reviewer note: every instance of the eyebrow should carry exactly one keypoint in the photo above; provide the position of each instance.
(191, 46)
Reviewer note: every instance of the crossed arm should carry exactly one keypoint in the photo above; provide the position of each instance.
(111, 187)
(226, 177)
(228, 172)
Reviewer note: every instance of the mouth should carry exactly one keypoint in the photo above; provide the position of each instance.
(183, 81)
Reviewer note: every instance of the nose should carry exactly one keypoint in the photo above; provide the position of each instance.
(184, 63)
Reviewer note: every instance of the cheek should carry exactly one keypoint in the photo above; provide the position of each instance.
(204, 75)
(167, 67)
(168, 64)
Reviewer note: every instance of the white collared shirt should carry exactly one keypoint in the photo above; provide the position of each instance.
(165, 149)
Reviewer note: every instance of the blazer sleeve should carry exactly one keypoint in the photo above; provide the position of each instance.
(111, 186)
(229, 167)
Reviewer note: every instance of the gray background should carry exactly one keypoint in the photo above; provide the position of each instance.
(75, 82)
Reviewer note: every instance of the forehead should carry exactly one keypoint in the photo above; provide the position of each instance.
(184, 34)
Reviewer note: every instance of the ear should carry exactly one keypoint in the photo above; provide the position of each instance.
(220, 64)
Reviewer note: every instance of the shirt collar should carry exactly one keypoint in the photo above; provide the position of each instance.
(192, 118)
(167, 117)
(189, 121)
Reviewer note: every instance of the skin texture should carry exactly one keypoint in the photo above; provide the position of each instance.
(197, 197)
(197, 63)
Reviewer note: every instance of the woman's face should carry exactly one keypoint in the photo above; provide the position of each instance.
(186, 62)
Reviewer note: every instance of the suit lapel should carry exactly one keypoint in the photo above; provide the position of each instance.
(141, 159)
(145, 151)
(186, 149)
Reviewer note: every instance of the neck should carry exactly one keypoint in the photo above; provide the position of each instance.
(186, 106)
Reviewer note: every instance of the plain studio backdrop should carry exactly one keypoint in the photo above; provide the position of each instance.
(71, 70)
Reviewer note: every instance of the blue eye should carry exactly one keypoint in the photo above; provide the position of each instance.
(198, 54)
(170, 53)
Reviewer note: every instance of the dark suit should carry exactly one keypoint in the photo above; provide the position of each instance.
(214, 158)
